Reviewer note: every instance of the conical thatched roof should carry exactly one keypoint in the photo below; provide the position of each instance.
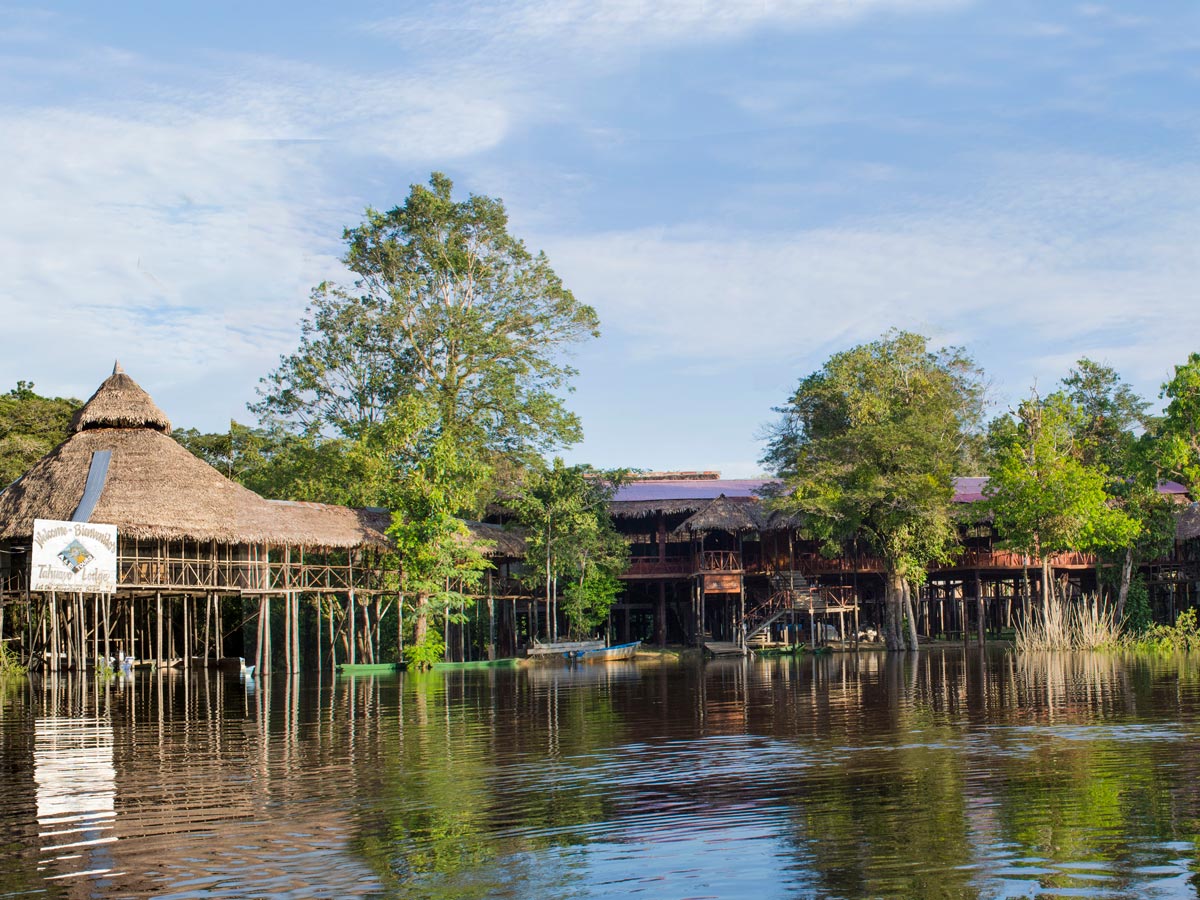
(723, 514)
(155, 489)
(120, 402)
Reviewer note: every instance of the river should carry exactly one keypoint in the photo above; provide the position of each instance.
(951, 773)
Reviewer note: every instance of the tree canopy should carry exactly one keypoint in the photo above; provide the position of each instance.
(30, 427)
(1178, 452)
(869, 446)
(1044, 498)
(572, 539)
(447, 304)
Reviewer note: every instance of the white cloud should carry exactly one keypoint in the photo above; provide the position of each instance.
(1060, 258)
(181, 229)
(605, 26)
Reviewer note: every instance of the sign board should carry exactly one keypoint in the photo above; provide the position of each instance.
(75, 557)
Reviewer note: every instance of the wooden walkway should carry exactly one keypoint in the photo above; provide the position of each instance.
(723, 648)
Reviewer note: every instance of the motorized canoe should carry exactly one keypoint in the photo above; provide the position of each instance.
(607, 654)
(563, 648)
(368, 668)
(506, 663)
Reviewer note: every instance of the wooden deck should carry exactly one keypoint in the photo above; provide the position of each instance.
(723, 648)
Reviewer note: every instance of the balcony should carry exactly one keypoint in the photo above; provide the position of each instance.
(653, 567)
(720, 561)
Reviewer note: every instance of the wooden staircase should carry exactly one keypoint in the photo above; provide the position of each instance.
(789, 592)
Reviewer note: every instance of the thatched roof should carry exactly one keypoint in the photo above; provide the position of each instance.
(297, 523)
(724, 514)
(502, 543)
(1187, 525)
(640, 509)
(156, 490)
(120, 402)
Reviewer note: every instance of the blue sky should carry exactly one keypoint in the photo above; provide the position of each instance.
(740, 189)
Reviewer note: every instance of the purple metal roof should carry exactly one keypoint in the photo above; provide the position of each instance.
(966, 490)
(703, 489)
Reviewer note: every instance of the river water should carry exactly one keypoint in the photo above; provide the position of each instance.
(947, 774)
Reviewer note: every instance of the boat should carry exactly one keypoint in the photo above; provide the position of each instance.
(562, 648)
(368, 668)
(506, 663)
(606, 654)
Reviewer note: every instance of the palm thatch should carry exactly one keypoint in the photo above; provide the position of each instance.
(497, 541)
(302, 523)
(1187, 525)
(120, 402)
(640, 509)
(157, 490)
(724, 514)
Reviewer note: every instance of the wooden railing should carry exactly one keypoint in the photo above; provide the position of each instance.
(720, 561)
(653, 567)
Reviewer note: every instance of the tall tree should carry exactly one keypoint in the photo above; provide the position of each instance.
(572, 538)
(440, 563)
(447, 304)
(868, 446)
(1044, 498)
(1111, 437)
(282, 465)
(1178, 453)
(30, 427)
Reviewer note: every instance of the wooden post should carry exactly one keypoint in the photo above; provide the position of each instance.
(979, 609)
(660, 616)
(352, 619)
(491, 619)
(268, 650)
(158, 644)
(207, 625)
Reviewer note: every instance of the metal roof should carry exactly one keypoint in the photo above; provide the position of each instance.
(966, 489)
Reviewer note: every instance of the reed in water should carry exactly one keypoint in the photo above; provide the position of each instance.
(1087, 625)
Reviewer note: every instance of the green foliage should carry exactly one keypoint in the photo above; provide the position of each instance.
(1178, 449)
(1109, 413)
(1043, 497)
(1138, 616)
(282, 465)
(438, 479)
(30, 427)
(431, 649)
(869, 445)
(586, 602)
(572, 539)
(10, 663)
(447, 306)
(1183, 636)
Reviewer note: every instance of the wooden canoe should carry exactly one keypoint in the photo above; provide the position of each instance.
(368, 668)
(608, 654)
(506, 663)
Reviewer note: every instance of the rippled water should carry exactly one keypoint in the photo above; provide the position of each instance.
(951, 775)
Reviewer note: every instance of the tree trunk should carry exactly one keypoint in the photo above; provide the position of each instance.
(1047, 585)
(911, 631)
(421, 623)
(1126, 577)
(893, 601)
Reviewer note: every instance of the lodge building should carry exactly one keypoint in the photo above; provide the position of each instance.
(709, 564)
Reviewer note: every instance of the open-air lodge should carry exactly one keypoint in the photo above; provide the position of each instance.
(708, 562)
(188, 537)
(204, 564)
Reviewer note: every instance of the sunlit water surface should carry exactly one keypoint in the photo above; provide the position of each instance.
(951, 774)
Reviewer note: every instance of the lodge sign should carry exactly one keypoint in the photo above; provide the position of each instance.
(78, 557)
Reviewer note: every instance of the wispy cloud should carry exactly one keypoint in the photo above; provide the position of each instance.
(1091, 256)
(181, 225)
(608, 26)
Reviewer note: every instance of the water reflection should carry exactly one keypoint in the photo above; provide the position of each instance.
(952, 774)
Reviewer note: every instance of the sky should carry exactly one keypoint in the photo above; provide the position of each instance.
(740, 189)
